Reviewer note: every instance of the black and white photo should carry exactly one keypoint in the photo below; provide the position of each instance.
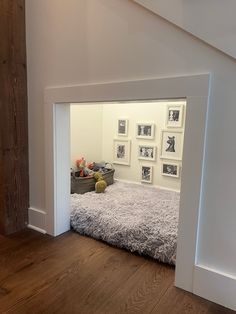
(174, 116)
(146, 174)
(145, 130)
(121, 153)
(170, 169)
(122, 127)
(172, 144)
(147, 152)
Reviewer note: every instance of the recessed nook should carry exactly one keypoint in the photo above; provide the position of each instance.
(57, 117)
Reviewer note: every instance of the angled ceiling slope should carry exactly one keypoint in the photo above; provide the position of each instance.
(213, 21)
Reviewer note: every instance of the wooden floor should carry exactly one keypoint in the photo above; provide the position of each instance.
(75, 274)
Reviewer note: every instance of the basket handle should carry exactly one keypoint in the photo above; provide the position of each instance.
(72, 172)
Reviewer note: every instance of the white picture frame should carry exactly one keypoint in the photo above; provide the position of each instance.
(174, 116)
(147, 152)
(121, 151)
(171, 144)
(122, 127)
(145, 130)
(146, 173)
(170, 169)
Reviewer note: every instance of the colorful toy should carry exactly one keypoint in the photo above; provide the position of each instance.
(84, 169)
(101, 184)
(90, 165)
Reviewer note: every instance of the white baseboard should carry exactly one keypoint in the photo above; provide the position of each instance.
(36, 229)
(215, 286)
(37, 219)
(147, 185)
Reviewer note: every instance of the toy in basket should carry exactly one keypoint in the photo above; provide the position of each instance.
(91, 177)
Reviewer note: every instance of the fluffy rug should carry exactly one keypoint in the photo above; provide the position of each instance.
(131, 216)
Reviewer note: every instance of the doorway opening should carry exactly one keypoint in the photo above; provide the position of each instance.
(141, 144)
(194, 89)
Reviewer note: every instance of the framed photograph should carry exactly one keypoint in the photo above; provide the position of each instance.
(146, 174)
(122, 152)
(122, 127)
(170, 169)
(174, 116)
(171, 144)
(147, 152)
(145, 130)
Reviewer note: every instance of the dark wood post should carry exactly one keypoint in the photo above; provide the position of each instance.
(14, 177)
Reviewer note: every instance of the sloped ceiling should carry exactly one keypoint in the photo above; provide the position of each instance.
(213, 21)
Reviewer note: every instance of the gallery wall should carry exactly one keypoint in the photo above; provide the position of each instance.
(151, 112)
(81, 42)
(94, 132)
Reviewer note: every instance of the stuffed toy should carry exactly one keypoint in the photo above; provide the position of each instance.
(83, 168)
(90, 165)
(100, 184)
(98, 166)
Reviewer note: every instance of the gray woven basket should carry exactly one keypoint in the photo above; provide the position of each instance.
(81, 185)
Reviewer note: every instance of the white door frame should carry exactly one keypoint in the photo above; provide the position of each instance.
(57, 151)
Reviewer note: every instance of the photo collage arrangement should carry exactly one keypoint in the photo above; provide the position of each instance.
(171, 144)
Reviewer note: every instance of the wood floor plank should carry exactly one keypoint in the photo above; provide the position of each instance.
(177, 301)
(49, 268)
(114, 273)
(86, 284)
(76, 274)
(16, 254)
(8, 242)
(142, 290)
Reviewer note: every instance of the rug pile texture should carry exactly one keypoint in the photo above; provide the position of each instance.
(138, 218)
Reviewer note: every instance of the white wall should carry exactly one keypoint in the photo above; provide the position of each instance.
(211, 20)
(86, 132)
(88, 41)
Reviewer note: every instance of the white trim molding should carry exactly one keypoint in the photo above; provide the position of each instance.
(215, 286)
(36, 229)
(147, 185)
(37, 219)
(194, 88)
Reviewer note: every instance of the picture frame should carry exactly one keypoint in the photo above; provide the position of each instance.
(171, 144)
(122, 127)
(146, 173)
(145, 130)
(147, 152)
(170, 169)
(174, 116)
(121, 151)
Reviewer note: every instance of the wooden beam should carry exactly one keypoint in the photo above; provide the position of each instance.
(14, 177)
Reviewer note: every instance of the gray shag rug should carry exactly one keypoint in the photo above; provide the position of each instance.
(138, 218)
